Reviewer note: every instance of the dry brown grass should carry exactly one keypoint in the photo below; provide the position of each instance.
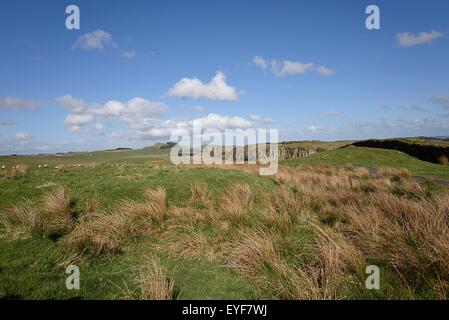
(18, 171)
(52, 215)
(236, 202)
(186, 242)
(201, 196)
(412, 236)
(154, 283)
(394, 173)
(23, 217)
(443, 160)
(99, 233)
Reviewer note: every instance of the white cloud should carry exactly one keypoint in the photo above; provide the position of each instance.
(145, 107)
(407, 39)
(18, 103)
(325, 71)
(78, 120)
(219, 122)
(287, 67)
(129, 54)
(133, 111)
(21, 136)
(217, 89)
(150, 128)
(95, 40)
(260, 119)
(110, 109)
(291, 67)
(73, 104)
(261, 62)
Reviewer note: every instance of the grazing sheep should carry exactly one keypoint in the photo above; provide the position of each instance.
(3, 167)
(45, 165)
(39, 166)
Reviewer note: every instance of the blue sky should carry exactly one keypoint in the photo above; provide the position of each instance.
(137, 70)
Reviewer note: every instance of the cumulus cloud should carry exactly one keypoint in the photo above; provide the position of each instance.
(407, 39)
(82, 114)
(18, 103)
(261, 62)
(216, 89)
(152, 129)
(287, 67)
(78, 120)
(73, 104)
(95, 40)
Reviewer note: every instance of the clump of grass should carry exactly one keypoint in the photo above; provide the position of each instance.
(201, 196)
(395, 174)
(97, 234)
(18, 171)
(100, 233)
(444, 160)
(23, 217)
(154, 283)
(253, 253)
(186, 242)
(53, 216)
(236, 203)
(411, 236)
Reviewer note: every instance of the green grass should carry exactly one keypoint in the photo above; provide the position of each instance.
(373, 157)
(30, 267)
(88, 158)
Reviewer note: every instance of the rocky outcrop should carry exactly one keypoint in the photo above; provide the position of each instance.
(286, 153)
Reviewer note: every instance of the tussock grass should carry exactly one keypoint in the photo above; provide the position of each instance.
(99, 233)
(310, 236)
(201, 196)
(154, 282)
(412, 236)
(52, 216)
(236, 202)
(18, 171)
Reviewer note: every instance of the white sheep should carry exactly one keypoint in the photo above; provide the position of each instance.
(39, 166)
(45, 165)
(3, 167)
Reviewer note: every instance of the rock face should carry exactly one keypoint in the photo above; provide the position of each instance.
(426, 152)
(286, 153)
(242, 154)
(250, 154)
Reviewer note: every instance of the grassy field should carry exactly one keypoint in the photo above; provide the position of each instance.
(373, 157)
(141, 228)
